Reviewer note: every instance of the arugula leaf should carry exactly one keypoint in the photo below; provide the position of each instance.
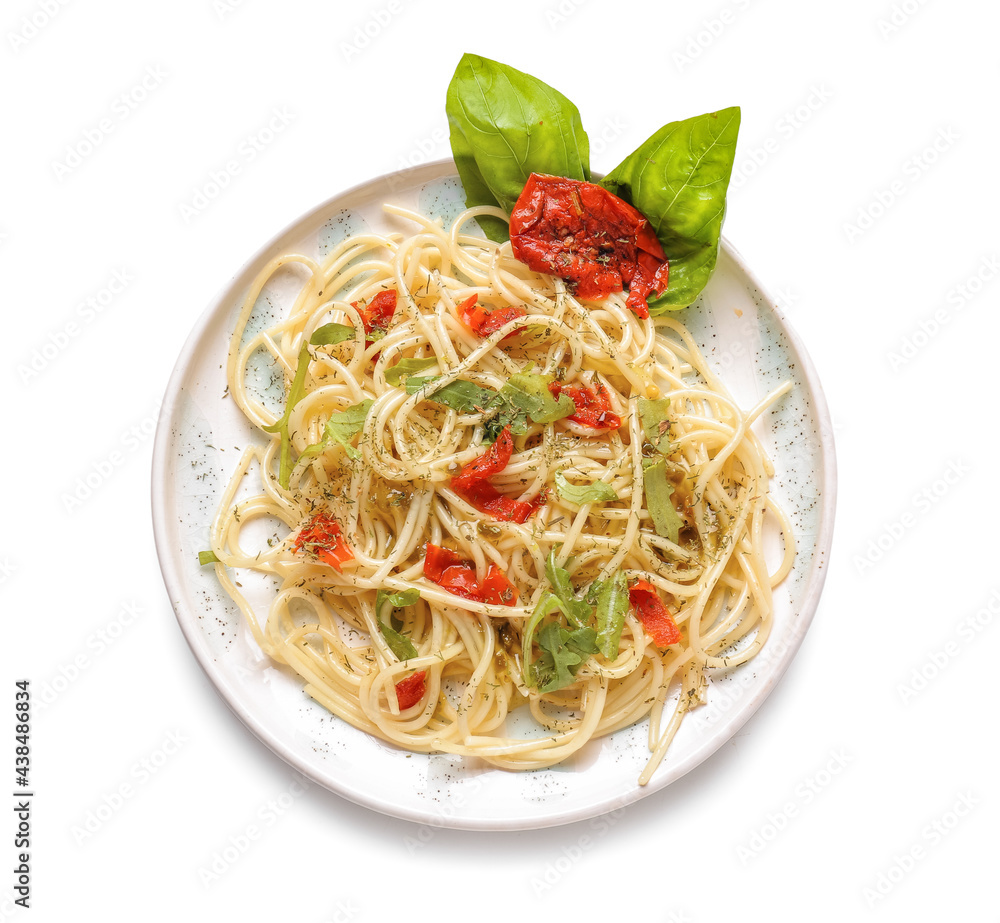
(330, 334)
(563, 653)
(565, 647)
(659, 492)
(655, 421)
(398, 643)
(405, 368)
(678, 179)
(207, 557)
(463, 396)
(505, 125)
(341, 428)
(594, 492)
(612, 603)
(295, 394)
(525, 396)
(399, 600)
(529, 392)
(577, 611)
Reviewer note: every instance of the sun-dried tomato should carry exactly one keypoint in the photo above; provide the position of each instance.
(321, 537)
(653, 614)
(376, 315)
(591, 238)
(593, 406)
(411, 690)
(485, 323)
(472, 483)
(453, 573)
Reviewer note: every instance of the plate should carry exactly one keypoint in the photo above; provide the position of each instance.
(750, 343)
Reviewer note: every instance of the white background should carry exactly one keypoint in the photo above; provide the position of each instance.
(863, 198)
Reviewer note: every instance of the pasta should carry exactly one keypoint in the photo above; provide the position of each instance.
(471, 483)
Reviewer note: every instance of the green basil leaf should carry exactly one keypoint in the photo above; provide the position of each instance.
(405, 368)
(612, 603)
(655, 419)
(678, 179)
(463, 396)
(505, 125)
(330, 334)
(207, 557)
(594, 492)
(659, 492)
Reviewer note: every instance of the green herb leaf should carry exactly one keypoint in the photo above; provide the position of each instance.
(463, 396)
(594, 492)
(529, 392)
(678, 179)
(399, 600)
(612, 603)
(655, 419)
(398, 643)
(577, 611)
(505, 125)
(341, 428)
(659, 492)
(330, 334)
(295, 394)
(405, 368)
(207, 557)
(563, 653)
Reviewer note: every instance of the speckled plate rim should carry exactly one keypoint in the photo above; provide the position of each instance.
(519, 817)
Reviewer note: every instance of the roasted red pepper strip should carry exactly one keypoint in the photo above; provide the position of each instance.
(655, 618)
(471, 483)
(411, 690)
(591, 238)
(321, 537)
(456, 575)
(485, 323)
(593, 406)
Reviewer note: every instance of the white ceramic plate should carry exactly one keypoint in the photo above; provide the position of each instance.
(197, 445)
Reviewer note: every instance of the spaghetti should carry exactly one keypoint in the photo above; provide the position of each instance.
(497, 496)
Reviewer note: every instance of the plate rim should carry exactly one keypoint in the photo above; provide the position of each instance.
(814, 579)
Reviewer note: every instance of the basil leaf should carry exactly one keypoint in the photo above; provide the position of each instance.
(398, 643)
(207, 557)
(405, 368)
(659, 491)
(330, 334)
(612, 602)
(655, 421)
(505, 125)
(594, 492)
(341, 428)
(463, 396)
(678, 179)
(576, 610)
